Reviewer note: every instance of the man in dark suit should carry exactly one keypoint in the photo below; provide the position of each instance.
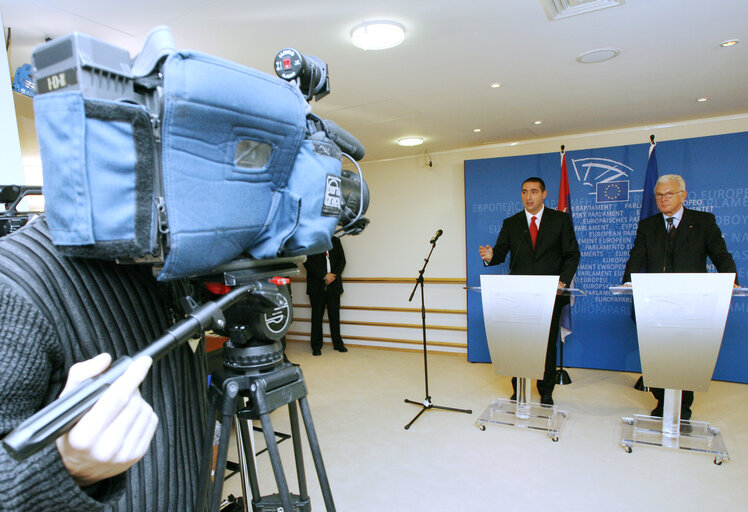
(541, 242)
(676, 240)
(324, 285)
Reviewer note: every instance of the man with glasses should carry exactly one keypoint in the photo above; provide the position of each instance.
(676, 240)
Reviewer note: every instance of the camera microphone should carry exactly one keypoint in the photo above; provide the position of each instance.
(436, 236)
(344, 140)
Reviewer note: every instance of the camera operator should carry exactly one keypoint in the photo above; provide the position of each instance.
(135, 450)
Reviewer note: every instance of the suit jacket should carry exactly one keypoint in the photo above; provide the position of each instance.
(556, 250)
(696, 237)
(316, 268)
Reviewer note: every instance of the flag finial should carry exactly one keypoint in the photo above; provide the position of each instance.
(652, 139)
(562, 148)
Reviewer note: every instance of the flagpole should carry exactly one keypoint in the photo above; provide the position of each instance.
(562, 376)
(648, 208)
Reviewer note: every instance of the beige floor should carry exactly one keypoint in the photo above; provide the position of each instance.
(445, 463)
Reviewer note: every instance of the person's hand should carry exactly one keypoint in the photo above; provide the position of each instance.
(329, 278)
(116, 432)
(486, 252)
(627, 285)
(561, 287)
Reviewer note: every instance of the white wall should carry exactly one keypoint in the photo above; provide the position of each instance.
(11, 168)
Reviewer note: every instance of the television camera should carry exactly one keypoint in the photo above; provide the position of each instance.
(12, 216)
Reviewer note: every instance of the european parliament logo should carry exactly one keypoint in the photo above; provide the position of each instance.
(612, 191)
(606, 179)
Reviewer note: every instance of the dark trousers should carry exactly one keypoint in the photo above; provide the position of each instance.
(331, 300)
(545, 386)
(685, 402)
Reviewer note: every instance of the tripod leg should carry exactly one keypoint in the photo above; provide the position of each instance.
(442, 408)
(247, 460)
(275, 460)
(319, 465)
(223, 449)
(293, 417)
(423, 409)
(205, 476)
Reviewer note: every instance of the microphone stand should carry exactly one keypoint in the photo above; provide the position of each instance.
(426, 404)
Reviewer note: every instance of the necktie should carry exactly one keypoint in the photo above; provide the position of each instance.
(533, 231)
(670, 227)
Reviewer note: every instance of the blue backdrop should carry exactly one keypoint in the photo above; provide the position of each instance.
(606, 191)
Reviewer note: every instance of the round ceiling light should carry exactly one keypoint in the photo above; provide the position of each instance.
(729, 43)
(377, 35)
(599, 55)
(410, 141)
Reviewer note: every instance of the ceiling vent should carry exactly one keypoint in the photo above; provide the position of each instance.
(557, 9)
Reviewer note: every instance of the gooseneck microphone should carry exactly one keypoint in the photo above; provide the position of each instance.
(436, 236)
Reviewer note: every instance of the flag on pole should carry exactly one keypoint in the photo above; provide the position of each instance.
(564, 205)
(649, 204)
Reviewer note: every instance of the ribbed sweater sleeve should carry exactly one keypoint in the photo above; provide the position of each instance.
(56, 311)
(28, 355)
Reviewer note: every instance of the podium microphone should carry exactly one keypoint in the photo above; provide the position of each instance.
(436, 236)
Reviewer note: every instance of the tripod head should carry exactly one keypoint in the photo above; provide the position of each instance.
(255, 324)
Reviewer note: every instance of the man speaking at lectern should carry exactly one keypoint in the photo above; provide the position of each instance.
(676, 240)
(541, 242)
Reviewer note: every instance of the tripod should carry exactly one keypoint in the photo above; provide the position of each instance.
(258, 383)
(427, 404)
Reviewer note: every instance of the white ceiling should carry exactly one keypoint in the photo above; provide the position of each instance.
(436, 84)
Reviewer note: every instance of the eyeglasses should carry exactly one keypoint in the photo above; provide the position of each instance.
(667, 195)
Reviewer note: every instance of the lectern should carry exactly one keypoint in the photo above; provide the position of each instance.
(517, 314)
(680, 321)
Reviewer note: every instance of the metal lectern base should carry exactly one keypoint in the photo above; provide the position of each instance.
(695, 436)
(524, 415)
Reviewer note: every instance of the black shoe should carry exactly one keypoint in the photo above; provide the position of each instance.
(513, 397)
(546, 400)
(287, 360)
(317, 352)
(685, 415)
(657, 411)
(341, 348)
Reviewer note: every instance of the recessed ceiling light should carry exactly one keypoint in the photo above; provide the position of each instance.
(476, 130)
(496, 85)
(377, 35)
(729, 42)
(598, 55)
(513, 143)
(702, 99)
(538, 122)
(410, 141)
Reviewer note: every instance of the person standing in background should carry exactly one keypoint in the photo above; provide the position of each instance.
(324, 285)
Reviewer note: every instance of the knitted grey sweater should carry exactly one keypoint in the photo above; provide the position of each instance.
(56, 311)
